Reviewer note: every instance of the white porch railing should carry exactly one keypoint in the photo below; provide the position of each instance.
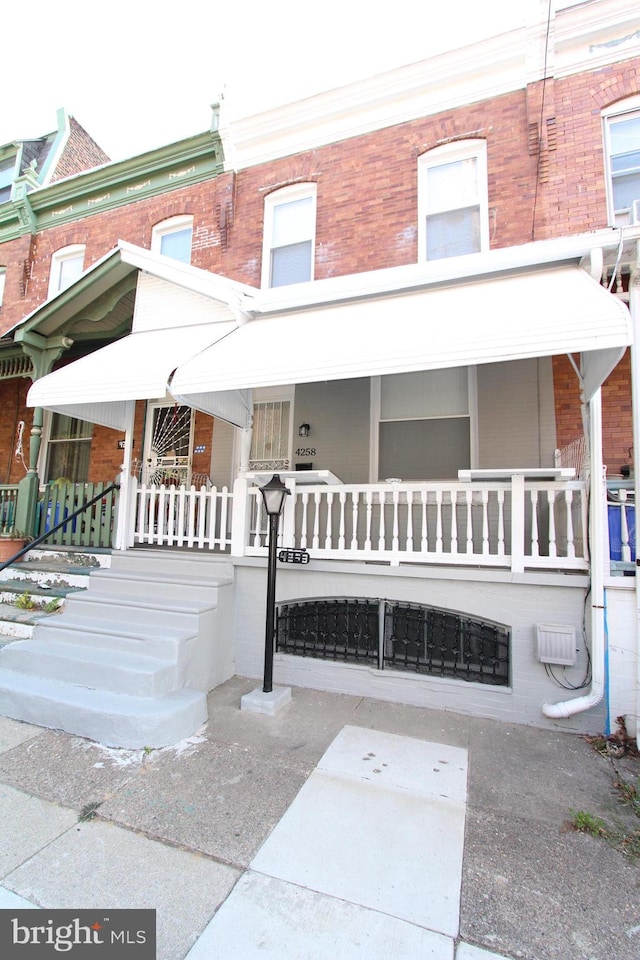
(181, 516)
(517, 525)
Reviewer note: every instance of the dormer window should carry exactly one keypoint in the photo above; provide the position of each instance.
(7, 176)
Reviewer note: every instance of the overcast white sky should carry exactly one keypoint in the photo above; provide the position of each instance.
(141, 73)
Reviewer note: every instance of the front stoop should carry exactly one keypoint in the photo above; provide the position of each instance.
(130, 660)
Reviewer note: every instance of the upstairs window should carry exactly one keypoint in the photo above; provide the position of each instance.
(173, 237)
(66, 266)
(453, 200)
(7, 172)
(622, 147)
(289, 236)
(3, 275)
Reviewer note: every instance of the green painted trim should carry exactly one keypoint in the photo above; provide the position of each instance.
(113, 185)
(117, 184)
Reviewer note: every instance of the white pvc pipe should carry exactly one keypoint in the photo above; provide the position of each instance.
(598, 542)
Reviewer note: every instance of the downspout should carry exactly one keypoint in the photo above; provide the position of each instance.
(598, 557)
(634, 309)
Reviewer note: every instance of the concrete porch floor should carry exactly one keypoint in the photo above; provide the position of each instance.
(342, 827)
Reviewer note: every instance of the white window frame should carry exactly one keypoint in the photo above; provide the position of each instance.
(168, 227)
(3, 278)
(375, 417)
(616, 111)
(299, 191)
(451, 153)
(64, 255)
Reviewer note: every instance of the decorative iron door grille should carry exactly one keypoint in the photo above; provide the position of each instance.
(396, 636)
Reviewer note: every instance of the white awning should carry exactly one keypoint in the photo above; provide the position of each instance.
(513, 316)
(138, 367)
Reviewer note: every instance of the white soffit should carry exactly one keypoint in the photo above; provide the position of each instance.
(514, 316)
(137, 367)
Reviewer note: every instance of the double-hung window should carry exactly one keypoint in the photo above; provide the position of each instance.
(453, 200)
(289, 235)
(622, 147)
(66, 266)
(173, 238)
(426, 424)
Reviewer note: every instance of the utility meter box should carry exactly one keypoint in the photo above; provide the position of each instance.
(556, 643)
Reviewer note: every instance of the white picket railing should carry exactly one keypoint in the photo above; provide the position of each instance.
(181, 516)
(517, 525)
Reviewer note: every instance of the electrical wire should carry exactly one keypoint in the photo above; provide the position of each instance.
(542, 105)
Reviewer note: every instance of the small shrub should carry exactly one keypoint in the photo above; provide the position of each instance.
(25, 601)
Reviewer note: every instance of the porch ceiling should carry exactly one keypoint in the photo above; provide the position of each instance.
(137, 367)
(516, 315)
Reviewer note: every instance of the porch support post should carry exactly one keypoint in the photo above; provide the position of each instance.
(126, 505)
(43, 353)
(517, 523)
(240, 518)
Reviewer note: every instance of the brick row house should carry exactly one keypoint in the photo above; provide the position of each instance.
(413, 299)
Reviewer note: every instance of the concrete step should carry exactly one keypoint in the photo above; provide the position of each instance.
(144, 610)
(94, 667)
(174, 586)
(114, 719)
(36, 587)
(165, 645)
(197, 564)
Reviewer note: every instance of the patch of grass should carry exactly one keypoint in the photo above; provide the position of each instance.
(52, 606)
(88, 812)
(585, 822)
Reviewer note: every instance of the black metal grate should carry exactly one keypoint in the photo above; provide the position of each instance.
(397, 636)
(329, 630)
(445, 644)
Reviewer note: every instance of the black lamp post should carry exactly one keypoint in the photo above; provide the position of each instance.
(273, 494)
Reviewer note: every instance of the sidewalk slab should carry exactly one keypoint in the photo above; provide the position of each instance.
(396, 761)
(267, 919)
(100, 865)
(14, 732)
(221, 799)
(27, 825)
(372, 844)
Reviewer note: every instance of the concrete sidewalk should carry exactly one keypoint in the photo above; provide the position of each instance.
(343, 827)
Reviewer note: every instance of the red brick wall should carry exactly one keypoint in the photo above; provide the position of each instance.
(367, 211)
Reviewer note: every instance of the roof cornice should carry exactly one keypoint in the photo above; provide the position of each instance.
(583, 37)
(115, 184)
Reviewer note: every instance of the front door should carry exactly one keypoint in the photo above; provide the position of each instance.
(168, 444)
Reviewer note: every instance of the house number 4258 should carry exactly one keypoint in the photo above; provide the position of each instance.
(306, 452)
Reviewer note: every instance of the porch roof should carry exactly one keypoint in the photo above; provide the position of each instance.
(138, 367)
(515, 315)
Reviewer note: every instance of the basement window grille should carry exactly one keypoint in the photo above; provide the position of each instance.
(396, 636)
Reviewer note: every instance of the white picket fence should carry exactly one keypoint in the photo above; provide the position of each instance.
(181, 516)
